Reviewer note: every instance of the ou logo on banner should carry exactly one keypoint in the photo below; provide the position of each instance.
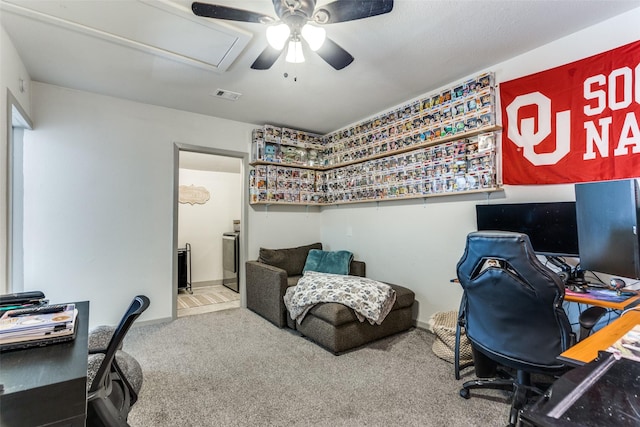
(523, 133)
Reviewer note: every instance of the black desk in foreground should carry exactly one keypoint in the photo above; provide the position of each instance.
(46, 385)
(601, 393)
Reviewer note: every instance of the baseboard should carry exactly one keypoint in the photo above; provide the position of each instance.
(423, 325)
(151, 322)
(206, 283)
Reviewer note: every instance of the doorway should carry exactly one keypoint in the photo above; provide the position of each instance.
(17, 121)
(210, 191)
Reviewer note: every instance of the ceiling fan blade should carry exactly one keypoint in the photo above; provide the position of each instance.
(266, 59)
(342, 10)
(334, 55)
(228, 13)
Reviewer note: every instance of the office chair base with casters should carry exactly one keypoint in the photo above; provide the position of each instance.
(493, 383)
(496, 378)
(521, 393)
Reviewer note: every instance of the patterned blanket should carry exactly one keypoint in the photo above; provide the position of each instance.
(371, 300)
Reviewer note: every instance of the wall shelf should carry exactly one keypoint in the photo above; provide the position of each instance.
(402, 150)
(442, 144)
(413, 197)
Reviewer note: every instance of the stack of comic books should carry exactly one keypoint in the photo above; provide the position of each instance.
(24, 328)
(629, 345)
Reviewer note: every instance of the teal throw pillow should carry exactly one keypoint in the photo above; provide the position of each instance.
(334, 262)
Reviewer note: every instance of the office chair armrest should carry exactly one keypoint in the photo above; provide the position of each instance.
(588, 319)
(572, 339)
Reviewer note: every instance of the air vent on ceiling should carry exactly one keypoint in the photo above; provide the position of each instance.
(226, 94)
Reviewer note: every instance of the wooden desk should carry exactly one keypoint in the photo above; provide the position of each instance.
(47, 385)
(587, 299)
(587, 350)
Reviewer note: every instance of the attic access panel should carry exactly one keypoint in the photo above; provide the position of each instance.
(160, 27)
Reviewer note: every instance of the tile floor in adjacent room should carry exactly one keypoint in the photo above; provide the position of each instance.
(224, 299)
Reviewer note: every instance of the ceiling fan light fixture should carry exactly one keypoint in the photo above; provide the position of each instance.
(293, 17)
(294, 52)
(321, 16)
(315, 36)
(277, 35)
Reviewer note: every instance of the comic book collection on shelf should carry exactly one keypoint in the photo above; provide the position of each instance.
(440, 144)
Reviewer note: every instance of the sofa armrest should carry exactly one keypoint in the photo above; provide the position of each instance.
(265, 289)
(357, 268)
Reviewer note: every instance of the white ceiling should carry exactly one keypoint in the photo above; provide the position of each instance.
(158, 52)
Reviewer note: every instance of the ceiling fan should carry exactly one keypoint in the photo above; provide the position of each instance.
(295, 23)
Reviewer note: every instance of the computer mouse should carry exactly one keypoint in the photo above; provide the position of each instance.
(627, 294)
(617, 284)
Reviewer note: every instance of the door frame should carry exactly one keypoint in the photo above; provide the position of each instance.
(244, 157)
(17, 118)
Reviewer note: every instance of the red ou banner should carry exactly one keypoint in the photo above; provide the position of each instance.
(574, 123)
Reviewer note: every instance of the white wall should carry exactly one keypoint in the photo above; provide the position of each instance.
(275, 227)
(417, 244)
(12, 71)
(99, 182)
(202, 225)
(99, 197)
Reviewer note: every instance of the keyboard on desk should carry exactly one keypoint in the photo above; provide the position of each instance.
(41, 309)
(19, 298)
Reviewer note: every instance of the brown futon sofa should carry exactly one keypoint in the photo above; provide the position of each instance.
(331, 325)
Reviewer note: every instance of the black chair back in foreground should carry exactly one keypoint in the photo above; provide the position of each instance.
(513, 313)
(111, 394)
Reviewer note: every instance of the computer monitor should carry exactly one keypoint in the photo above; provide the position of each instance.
(551, 226)
(608, 214)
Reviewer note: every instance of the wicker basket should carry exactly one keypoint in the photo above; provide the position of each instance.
(443, 325)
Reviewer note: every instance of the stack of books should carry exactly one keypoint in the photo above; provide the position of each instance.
(628, 346)
(37, 326)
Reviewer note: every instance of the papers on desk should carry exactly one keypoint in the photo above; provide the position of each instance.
(38, 328)
(628, 346)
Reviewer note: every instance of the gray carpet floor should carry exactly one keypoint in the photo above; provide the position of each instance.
(233, 368)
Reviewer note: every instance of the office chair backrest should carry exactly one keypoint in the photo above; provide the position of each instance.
(137, 307)
(513, 302)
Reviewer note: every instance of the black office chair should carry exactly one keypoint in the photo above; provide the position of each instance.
(512, 313)
(111, 391)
